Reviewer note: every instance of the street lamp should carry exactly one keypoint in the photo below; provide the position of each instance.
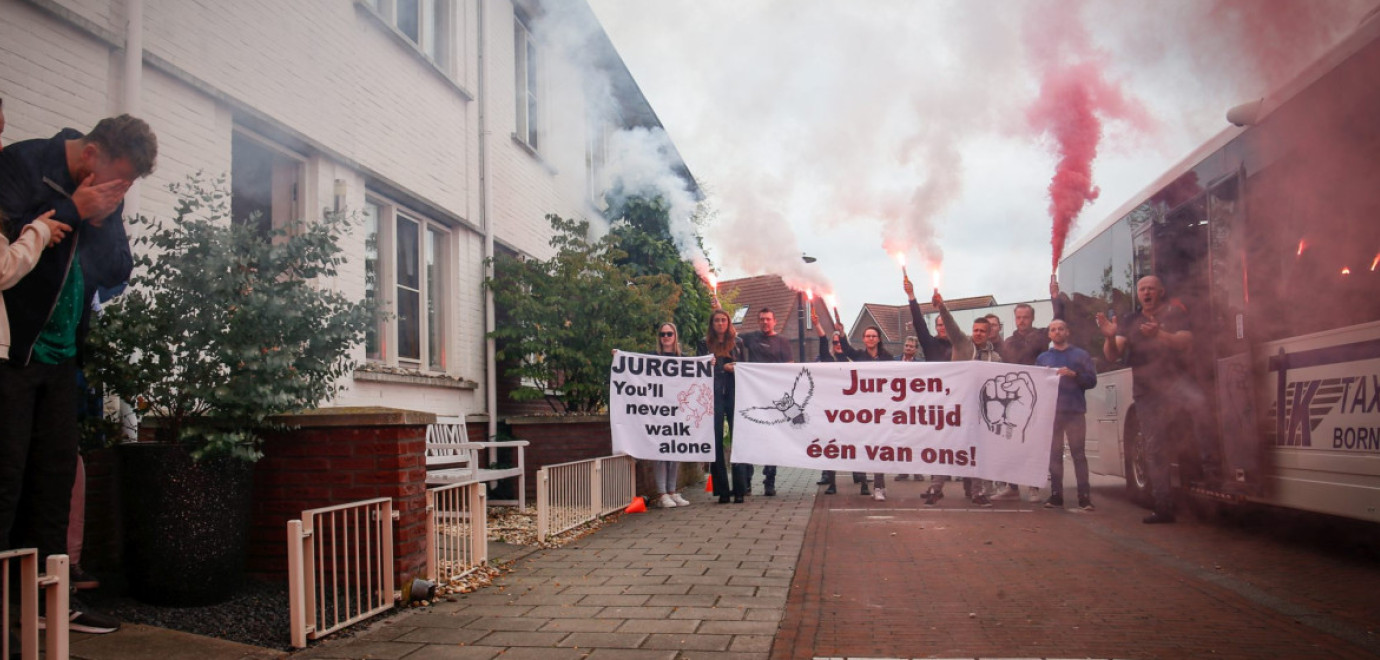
(800, 313)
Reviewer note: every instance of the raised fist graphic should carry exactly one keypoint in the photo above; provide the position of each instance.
(1008, 401)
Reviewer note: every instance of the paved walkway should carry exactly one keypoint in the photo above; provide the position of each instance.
(705, 581)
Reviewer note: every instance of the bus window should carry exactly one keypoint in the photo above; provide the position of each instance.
(1227, 247)
(1087, 283)
(1314, 257)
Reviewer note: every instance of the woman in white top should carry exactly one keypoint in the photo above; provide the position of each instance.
(666, 474)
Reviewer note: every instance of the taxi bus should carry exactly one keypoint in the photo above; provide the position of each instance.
(1268, 235)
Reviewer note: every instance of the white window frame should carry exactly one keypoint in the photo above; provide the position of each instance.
(526, 91)
(287, 206)
(437, 28)
(437, 292)
(596, 159)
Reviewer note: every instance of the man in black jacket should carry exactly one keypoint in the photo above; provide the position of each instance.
(83, 179)
(766, 345)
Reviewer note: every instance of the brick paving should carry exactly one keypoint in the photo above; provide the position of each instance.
(901, 580)
(800, 576)
(705, 581)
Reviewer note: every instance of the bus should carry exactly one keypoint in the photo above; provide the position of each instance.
(1269, 236)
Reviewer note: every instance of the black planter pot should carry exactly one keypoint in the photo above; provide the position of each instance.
(186, 523)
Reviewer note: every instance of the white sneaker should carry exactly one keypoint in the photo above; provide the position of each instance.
(680, 501)
(879, 494)
(1006, 495)
(666, 502)
(1033, 496)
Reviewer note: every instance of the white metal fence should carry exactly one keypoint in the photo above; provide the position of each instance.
(456, 530)
(340, 567)
(570, 494)
(53, 583)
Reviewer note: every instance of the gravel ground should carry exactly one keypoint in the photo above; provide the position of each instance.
(258, 612)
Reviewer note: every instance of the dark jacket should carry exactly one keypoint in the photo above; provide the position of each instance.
(861, 355)
(1025, 347)
(826, 353)
(772, 349)
(723, 380)
(104, 251)
(934, 348)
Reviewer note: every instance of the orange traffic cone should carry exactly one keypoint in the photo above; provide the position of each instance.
(639, 505)
(709, 484)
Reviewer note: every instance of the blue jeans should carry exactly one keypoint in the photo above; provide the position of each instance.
(1074, 428)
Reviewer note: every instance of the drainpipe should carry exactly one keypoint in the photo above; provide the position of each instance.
(133, 79)
(487, 218)
(133, 89)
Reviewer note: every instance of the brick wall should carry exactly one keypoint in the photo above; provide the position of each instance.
(335, 457)
(560, 440)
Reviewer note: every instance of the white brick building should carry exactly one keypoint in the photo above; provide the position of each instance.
(448, 124)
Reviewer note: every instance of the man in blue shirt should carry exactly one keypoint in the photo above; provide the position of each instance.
(1076, 374)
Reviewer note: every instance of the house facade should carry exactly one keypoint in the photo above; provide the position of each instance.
(448, 128)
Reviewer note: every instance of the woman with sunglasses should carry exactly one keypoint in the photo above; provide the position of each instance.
(666, 474)
(723, 343)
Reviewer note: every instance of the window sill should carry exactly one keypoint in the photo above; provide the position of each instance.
(377, 373)
(412, 47)
(531, 151)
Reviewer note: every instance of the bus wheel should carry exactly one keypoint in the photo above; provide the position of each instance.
(1137, 465)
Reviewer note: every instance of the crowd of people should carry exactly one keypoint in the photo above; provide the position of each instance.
(1151, 341)
(61, 205)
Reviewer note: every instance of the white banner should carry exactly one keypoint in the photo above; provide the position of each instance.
(967, 419)
(662, 407)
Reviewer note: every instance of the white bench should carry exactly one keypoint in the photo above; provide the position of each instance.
(451, 458)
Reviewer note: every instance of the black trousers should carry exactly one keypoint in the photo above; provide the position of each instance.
(718, 472)
(38, 454)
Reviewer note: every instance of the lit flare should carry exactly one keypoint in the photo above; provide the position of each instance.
(833, 302)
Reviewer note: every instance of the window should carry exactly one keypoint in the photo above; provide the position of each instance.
(526, 60)
(372, 279)
(596, 158)
(406, 271)
(428, 24)
(263, 183)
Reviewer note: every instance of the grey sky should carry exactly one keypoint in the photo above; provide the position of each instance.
(837, 127)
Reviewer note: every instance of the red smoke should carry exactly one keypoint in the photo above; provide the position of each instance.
(1275, 37)
(1071, 107)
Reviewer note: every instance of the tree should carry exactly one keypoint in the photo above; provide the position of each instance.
(641, 226)
(565, 315)
(223, 326)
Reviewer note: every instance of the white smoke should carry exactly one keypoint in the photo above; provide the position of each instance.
(637, 161)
